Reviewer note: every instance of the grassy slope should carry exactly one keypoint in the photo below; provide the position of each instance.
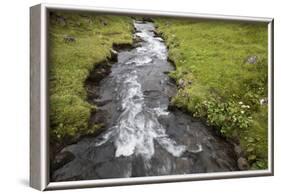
(218, 82)
(71, 62)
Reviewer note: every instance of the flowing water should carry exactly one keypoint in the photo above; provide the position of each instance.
(144, 138)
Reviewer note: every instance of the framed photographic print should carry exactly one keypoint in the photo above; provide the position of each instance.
(123, 97)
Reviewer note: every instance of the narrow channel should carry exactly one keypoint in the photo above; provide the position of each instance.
(143, 137)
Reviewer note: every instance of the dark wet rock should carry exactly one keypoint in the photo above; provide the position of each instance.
(105, 154)
(157, 34)
(92, 92)
(103, 102)
(172, 107)
(111, 169)
(238, 150)
(171, 61)
(147, 19)
(99, 116)
(136, 45)
(252, 59)
(242, 164)
(137, 39)
(114, 55)
(162, 162)
(119, 47)
(165, 120)
(61, 159)
(223, 164)
(183, 163)
(75, 170)
(170, 91)
(136, 30)
(138, 167)
(99, 72)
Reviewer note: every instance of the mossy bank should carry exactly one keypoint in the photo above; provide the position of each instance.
(221, 72)
(78, 42)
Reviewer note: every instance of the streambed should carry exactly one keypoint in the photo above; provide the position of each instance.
(143, 137)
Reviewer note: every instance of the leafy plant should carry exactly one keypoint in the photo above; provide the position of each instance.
(227, 116)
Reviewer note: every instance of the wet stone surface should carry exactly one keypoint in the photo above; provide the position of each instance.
(143, 137)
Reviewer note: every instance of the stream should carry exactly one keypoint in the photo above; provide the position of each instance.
(143, 137)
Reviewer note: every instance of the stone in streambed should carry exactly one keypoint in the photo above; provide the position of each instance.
(114, 55)
(238, 150)
(147, 19)
(61, 159)
(137, 39)
(242, 164)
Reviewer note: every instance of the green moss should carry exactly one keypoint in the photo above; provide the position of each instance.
(95, 129)
(77, 43)
(220, 81)
(254, 139)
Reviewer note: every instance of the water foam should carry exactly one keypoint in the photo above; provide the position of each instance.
(137, 127)
(154, 45)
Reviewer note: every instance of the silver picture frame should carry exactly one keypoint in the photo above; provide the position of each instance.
(39, 140)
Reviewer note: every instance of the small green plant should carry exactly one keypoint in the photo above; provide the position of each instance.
(95, 129)
(227, 116)
(260, 164)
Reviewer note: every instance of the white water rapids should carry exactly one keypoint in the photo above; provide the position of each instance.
(137, 126)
